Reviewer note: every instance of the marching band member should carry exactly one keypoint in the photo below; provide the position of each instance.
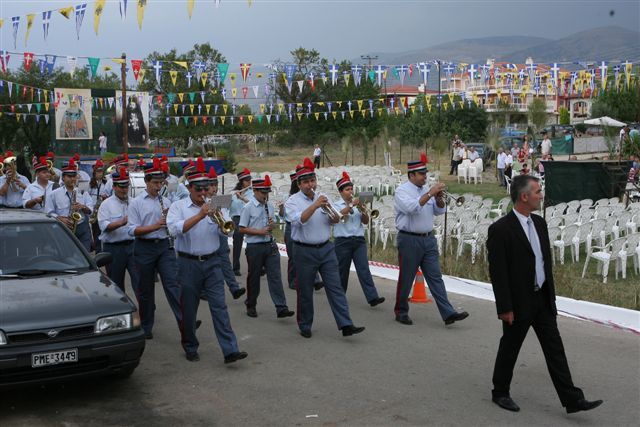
(291, 271)
(223, 251)
(34, 197)
(116, 163)
(197, 243)
(313, 252)
(256, 222)
(153, 249)
(82, 175)
(182, 192)
(56, 174)
(70, 206)
(241, 197)
(116, 237)
(98, 180)
(349, 241)
(416, 206)
(12, 184)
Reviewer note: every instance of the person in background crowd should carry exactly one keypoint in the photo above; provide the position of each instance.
(545, 147)
(522, 278)
(197, 242)
(117, 163)
(35, 195)
(508, 165)
(515, 149)
(241, 195)
(102, 143)
(349, 241)
(317, 154)
(116, 235)
(525, 170)
(12, 183)
(416, 206)
(473, 154)
(501, 164)
(456, 155)
(56, 174)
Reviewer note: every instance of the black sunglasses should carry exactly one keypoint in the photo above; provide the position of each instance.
(199, 188)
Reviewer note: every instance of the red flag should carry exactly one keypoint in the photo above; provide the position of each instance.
(135, 66)
(244, 70)
(28, 60)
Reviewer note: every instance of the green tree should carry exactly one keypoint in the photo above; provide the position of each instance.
(537, 114)
(565, 118)
(623, 105)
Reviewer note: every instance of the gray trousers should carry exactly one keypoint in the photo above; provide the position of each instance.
(414, 252)
(261, 255)
(291, 267)
(195, 277)
(309, 261)
(122, 261)
(225, 265)
(355, 248)
(238, 238)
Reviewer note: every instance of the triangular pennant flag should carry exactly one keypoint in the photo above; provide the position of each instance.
(135, 66)
(222, 69)
(141, 5)
(180, 97)
(244, 70)
(110, 101)
(174, 77)
(4, 61)
(66, 11)
(300, 85)
(98, 8)
(46, 19)
(175, 108)
(123, 9)
(234, 92)
(157, 67)
(93, 65)
(192, 96)
(255, 90)
(28, 60)
(30, 18)
(141, 74)
(244, 91)
(222, 119)
(15, 21)
(191, 107)
(80, 10)
(183, 64)
(190, 4)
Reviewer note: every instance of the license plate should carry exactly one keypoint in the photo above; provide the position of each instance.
(54, 358)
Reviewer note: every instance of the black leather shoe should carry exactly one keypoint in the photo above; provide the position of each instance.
(376, 301)
(198, 323)
(285, 313)
(193, 357)
(148, 335)
(238, 293)
(506, 402)
(456, 317)
(404, 320)
(251, 312)
(318, 286)
(306, 334)
(583, 405)
(234, 357)
(347, 331)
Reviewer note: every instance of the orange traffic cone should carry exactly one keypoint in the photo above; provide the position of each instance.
(419, 295)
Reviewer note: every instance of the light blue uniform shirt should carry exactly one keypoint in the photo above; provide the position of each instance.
(410, 216)
(58, 202)
(113, 209)
(145, 210)
(202, 239)
(254, 216)
(181, 192)
(98, 189)
(316, 230)
(13, 199)
(33, 191)
(107, 189)
(237, 205)
(352, 226)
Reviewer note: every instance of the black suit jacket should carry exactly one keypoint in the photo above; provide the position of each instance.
(512, 265)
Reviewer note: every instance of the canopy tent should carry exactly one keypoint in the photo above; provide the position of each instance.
(604, 121)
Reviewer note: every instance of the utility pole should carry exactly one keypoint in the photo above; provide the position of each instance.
(439, 65)
(125, 120)
(369, 58)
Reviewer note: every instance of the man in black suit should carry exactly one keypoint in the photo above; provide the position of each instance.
(522, 279)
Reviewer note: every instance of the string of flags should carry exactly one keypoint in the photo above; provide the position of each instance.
(78, 12)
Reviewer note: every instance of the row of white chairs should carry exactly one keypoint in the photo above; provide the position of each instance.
(470, 170)
(619, 249)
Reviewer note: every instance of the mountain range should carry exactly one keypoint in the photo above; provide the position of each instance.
(597, 44)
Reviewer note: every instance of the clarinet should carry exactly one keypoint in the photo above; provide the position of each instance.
(164, 215)
(274, 246)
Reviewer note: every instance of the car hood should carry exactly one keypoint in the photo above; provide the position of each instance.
(62, 300)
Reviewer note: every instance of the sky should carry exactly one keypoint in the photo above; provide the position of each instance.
(270, 29)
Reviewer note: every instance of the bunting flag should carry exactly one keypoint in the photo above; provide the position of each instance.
(72, 61)
(30, 18)
(333, 70)
(290, 70)
(135, 67)
(80, 10)
(1, 23)
(46, 18)
(66, 11)
(628, 66)
(123, 9)
(190, 4)
(356, 70)
(380, 74)
(203, 79)
(93, 66)
(16, 23)
(554, 74)
(157, 66)
(98, 8)
(50, 62)
(4, 61)
(402, 70)
(174, 77)
(603, 74)
(222, 69)
(244, 70)
(142, 4)
(28, 60)
(424, 69)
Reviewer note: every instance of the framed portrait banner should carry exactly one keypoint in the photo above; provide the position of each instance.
(73, 114)
(137, 105)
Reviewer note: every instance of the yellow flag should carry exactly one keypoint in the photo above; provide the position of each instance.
(141, 74)
(174, 76)
(262, 107)
(191, 107)
(181, 96)
(1, 22)
(346, 79)
(321, 104)
(280, 108)
(316, 115)
(234, 92)
(224, 108)
(98, 8)
(364, 113)
(203, 78)
(107, 68)
(30, 18)
(259, 75)
(18, 115)
(222, 119)
(190, 4)
(334, 114)
(339, 104)
(351, 113)
(120, 61)
(208, 108)
(195, 120)
(66, 11)
(175, 108)
(429, 107)
(299, 105)
(183, 64)
(46, 106)
(360, 101)
(413, 108)
(141, 5)
(299, 116)
(250, 119)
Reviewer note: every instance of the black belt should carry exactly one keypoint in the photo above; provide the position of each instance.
(349, 237)
(120, 243)
(309, 245)
(151, 240)
(197, 257)
(430, 233)
(11, 207)
(261, 243)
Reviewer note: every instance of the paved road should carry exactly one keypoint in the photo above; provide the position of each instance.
(389, 375)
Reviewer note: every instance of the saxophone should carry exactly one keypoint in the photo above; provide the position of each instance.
(164, 215)
(75, 216)
(94, 215)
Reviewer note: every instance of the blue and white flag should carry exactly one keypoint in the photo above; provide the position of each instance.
(402, 72)
(554, 73)
(380, 70)
(157, 66)
(290, 70)
(123, 9)
(16, 23)
(46, 18)
(80, 10)
(424, 69)
(356, 70)
(333, 70)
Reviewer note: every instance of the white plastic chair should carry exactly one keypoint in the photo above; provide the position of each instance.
(632, 250)
(581, 236)
(614, 249)
(463, 170)
(566, 238)
(554, 234)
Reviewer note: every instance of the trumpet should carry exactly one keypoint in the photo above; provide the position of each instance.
(216, 215)
(458, 200)
(331, 212)
(364, 210)
(54, 176)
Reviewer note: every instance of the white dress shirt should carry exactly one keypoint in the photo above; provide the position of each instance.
(201, 239)
(410, 216)
(145, 210)
(113, 209)
(316, 230)
(35, 190)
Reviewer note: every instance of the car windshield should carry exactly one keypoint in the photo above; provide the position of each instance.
(38, 248)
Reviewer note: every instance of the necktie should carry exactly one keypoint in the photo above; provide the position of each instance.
(535, 245)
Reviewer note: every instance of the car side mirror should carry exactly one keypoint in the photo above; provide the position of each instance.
(103, 258)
